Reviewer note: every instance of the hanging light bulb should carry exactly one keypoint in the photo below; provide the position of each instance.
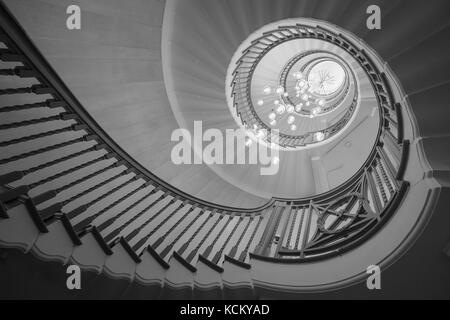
(290, 108)
(293, 127)
(280, 90)
(321, 102)
(261, 134)
(267, 90)
(260, 102)
(303, 85)
(319, 136)
(298, 75)
(276, 102)
(272, 116)
(273, 123)
(281, 109)
(308, 103)
(290, 119)
(298, 107)
(286, 94)
(305, 97)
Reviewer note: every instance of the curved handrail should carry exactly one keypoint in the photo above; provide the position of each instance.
(375, 174)
(52, 80)
(36, 66)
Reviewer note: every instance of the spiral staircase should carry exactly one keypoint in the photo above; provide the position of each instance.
(86, 176)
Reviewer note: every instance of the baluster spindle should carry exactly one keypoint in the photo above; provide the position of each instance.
(120, 228)
(49, 212)
(385, 176)
(195, 233)
(53, 193)
(291, 228)
(172, 227)
(46, 149)
(169, 247)
(380, 185)
(202, 241)
(143, 240)
(77, 211)
(88, 220)
(41, 135)
(71, 170)
(219, 253)
(235, 248)
(209, 249)
(284, 228)
(373, 192)
(243, 255)
(307, 229)
(300, 226)
(388, 164)
(51, 103)
(105, 224)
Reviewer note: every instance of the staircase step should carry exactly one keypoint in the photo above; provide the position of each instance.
(237, 281)
(90, 257)
(20, 230)
(58, 244)
(207, 281)
(179, 280)
(120, 266)
(149, 278)
(13, 194)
